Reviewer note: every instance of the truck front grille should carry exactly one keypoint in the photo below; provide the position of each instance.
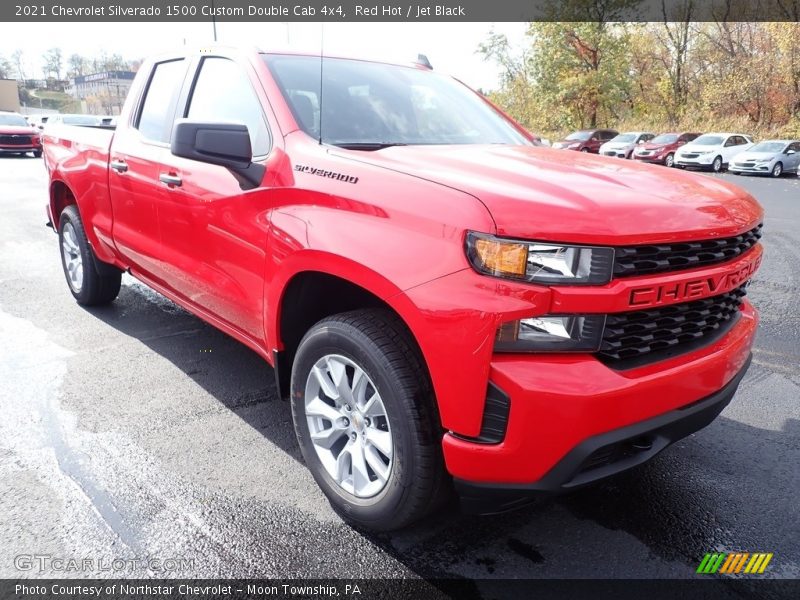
(630, 261)
(15, 140)
(639, 337)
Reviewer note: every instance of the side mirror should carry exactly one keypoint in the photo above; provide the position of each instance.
(223, 144)
(790, 151)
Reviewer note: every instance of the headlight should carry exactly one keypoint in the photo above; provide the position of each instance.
(568, 333)
(540, 262)
(573, 145)
(705, 152)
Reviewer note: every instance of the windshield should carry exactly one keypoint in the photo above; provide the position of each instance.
(773, 147)
(13, 120)
(665, 138)
(579, 136)
(625, 137)
(80, 120)
(371, 104)
(708, 140)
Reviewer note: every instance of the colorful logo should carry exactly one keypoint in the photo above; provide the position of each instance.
(734, 562)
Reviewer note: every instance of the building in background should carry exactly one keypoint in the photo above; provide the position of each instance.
(102, 93)
(9, 95)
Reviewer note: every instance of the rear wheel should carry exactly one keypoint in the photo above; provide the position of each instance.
(365, 420)
(777, 170)
(80, 265)
(669, 161)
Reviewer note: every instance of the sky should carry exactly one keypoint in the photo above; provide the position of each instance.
(450, 47)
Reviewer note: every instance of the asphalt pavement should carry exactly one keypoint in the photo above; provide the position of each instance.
(136, 431)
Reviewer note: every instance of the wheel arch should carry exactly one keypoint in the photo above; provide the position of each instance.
(309, 295)
(61, 196)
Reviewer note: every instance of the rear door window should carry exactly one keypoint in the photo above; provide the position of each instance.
(158, 108)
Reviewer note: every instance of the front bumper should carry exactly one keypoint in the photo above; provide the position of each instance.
(20, 149)
(700, 162)
(605, 454)
(760, 169)
(650, 158)
(561, 403)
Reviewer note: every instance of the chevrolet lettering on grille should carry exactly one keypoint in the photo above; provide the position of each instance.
(692, 289)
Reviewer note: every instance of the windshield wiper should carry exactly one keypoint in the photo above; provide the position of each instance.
(368, 145)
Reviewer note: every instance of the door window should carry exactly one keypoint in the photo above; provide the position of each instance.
(158, 109)
(222, 92)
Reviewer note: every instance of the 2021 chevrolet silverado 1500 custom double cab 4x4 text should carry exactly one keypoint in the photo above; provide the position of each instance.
(444, 304)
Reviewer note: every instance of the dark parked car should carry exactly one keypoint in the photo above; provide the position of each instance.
(586, 140)
(17, 136)
(661, 149)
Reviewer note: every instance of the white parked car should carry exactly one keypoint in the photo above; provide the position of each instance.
(623, 144)
(712, 151)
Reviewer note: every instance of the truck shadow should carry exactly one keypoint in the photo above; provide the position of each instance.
(706, 493)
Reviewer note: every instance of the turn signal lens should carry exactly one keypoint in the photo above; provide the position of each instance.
(501, 258)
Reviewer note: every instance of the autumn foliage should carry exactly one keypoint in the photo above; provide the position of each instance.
(698, 76)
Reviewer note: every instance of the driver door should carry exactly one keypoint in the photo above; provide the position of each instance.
(214, 233)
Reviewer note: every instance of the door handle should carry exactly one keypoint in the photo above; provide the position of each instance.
(120, 166)
(170, 179)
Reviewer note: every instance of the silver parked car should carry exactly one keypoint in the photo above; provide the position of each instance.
(622, 145)
(770, 157)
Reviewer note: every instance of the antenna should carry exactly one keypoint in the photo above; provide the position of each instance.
(214, 20)
(423, 61)
(321, 44)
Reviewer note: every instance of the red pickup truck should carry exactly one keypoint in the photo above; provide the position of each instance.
(446, 305)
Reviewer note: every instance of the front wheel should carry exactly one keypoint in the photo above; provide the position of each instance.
(777, 170)
(716, 166)
(80, 265)
(37, 154)
(365, 419)
(669, 161)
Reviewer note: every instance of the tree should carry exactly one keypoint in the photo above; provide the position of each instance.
(582, 66)
(52, 63)
(77, 66)
(6, 69)
(18, 58)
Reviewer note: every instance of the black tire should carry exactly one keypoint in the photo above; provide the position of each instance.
(378, 342)
(95, 288)
(584, 149)
(37, 154)
(777, 170)
(716, 166)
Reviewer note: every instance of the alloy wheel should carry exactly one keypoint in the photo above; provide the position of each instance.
(73, 261)
(348, 425)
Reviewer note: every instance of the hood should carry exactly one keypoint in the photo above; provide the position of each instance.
(652, 146)
(568, 142)
(690, 147)
(541, 193)
(617, 145)
(17, 130)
